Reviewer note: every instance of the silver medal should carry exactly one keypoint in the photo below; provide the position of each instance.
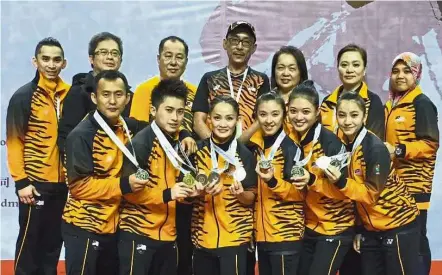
(240, 174)
(297, 171)
(213, 177)
(265, 164)
(202, 178)
(141, 174)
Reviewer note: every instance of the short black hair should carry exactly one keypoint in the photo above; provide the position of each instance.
(300, 60)
(111, 75)
(307, 91)
(270, 96)
(48, 41)
(168, 88)
(103, 36)
(225, 99)
(353, 48)
(173, 38)
(355, 97)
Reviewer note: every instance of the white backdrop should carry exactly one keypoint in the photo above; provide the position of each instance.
(320, 29)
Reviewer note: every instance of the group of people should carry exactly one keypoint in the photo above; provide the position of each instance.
(179, 179)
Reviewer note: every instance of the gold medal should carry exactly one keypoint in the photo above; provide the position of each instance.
(189, 180)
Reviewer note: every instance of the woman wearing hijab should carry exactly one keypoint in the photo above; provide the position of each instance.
(412, 138)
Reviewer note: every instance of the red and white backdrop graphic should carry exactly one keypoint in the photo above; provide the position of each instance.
(319, 29)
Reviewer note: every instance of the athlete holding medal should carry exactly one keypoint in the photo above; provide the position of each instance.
(148, 218)
(222, 222)
(94, 161)
(279, 216)
(328, 222)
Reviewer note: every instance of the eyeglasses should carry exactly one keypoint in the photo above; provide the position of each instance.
(235, 42)
(104, 53)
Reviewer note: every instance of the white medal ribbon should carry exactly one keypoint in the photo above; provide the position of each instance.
(298, 152)
(116, 140)
(58, 107)
(229, 78)
(171, 153)
(274, 148)
(228, 156)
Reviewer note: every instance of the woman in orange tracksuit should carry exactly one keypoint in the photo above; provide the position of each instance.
(352, 63)
(412, 138)
(222, 218)
(329, 222)
(389, 240)
(279, 213)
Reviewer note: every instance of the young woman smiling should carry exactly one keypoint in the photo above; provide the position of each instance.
(412, 138)
(222, 222)
(279, 214)
(329, 222)
(388, 242)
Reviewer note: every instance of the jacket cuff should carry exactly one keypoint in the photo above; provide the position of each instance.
(272, 182)
(312, 179)
(20, 184)
(125, 186)
(167, 195)
(400, 151)
(184, 134)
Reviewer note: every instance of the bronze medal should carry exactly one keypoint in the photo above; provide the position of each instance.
(202, 178)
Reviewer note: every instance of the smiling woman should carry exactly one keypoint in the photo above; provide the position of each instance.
(352, 63)
(412, 137)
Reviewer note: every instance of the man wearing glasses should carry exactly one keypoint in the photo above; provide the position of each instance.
(237, 80)
(105, 53)
(172, 60)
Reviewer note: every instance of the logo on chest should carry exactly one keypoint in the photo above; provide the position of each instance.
(399, 119)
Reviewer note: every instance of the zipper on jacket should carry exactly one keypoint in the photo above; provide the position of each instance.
(216, 219)
(167, 204)
(262, 213)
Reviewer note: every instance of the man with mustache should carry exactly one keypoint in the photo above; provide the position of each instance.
(105, 53)
(237, 80)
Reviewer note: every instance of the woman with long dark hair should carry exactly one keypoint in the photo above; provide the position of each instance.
(328, 222)
(279, 208)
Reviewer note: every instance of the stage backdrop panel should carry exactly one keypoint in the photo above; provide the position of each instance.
(320, 29)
